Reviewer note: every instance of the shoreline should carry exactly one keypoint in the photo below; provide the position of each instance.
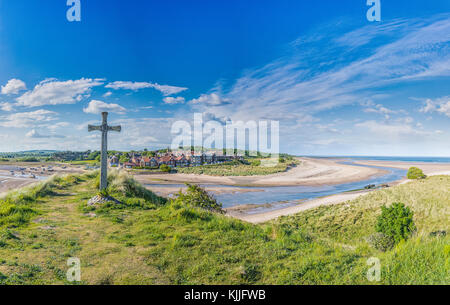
(310, 172)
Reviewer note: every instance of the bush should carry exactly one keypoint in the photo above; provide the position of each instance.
(396, 222)
(381, 241)
(256, 163)
(415, 173)
(165, 168)
(196, 196)
(27, 159)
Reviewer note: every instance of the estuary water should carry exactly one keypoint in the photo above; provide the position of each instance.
(277, 197)
(292, 194)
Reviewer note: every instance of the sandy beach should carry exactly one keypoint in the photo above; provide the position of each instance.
(310, 172)
(429, 169)
(9, 182)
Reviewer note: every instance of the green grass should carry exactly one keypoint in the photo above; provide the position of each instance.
(156, 242)
(235, 169)
(84, 162)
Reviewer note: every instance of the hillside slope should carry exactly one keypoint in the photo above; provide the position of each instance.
(150, 241)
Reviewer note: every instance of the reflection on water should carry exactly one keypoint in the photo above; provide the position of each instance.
(289, 195)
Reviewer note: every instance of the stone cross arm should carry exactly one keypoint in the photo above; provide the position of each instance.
(100, 128)
(93, 128)
(115, 128)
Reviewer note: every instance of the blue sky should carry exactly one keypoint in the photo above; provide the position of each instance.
(338, 84)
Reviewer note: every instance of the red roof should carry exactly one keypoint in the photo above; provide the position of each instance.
(166, 159)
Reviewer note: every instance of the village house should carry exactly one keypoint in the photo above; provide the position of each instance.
(113, 161)
(129, 165)
(182, 161)
(174, 159)
(168, 160)
(149, 162)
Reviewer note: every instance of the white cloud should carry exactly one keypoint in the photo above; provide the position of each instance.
(36, 135)
(96, 107)
(107, 94)
(440, 105)
(376, 108)
(58, 125)
(129, 85)
(140, 133)
(317, 78)
(7, 107)
(169, 90)
(212, 99)
(174, 100)
(164, 89)
(391, 130)
(28, 119)
(53, 92)
(14, 86)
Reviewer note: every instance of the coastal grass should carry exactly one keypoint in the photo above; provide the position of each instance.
(159, 242)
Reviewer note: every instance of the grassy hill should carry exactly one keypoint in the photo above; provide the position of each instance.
(147, 240)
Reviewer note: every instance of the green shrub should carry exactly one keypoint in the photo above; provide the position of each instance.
(396, 222)
(165, 168)
(415, 173)
(381, 241)
(103, 193)
(196, 196)
(27, 159)
(256, 163)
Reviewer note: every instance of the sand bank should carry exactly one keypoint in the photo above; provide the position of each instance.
(310, 172)
(430, 169)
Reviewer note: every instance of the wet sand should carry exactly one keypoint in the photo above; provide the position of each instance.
(9, 182)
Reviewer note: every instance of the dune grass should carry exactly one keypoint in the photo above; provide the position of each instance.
(158, 242)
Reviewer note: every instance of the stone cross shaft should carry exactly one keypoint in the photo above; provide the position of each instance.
(104, 128)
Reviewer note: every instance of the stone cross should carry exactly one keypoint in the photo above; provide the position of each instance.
(104, 128)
